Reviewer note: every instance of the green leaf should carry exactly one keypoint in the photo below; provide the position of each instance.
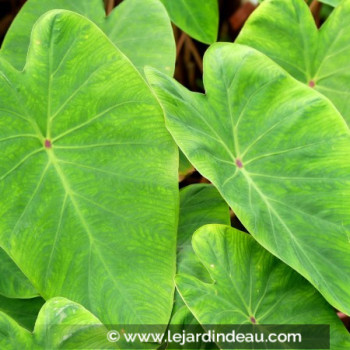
(333, 3)
(199, 19)
(146, 40)
(88, 175)
(13, 336)
(249, 285)
(24, 311)
(13, 283)
(185, 167)
(316, 58)
(278, 153)
(61, 324)
(200, 204)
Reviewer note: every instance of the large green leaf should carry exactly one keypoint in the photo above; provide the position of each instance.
(61, 324)
(88, 175)
(13, 283)
(249, 285)
(146, 40)
(24, 311)
(278, 153)
(317, 58)
(200, 19)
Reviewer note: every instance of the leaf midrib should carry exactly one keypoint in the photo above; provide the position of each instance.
(266, 200)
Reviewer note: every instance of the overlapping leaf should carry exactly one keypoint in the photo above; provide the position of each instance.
(146, 40)
(252, 286)
(185, 167)
(61, 324)
(319, 59)
(279, 154)
(200, 19)
(23, 311)
(333, 3)
(200, 204)
(13, 284)
(88, 175)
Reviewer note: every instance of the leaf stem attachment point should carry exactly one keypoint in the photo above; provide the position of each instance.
(239, 163)
(48, 144)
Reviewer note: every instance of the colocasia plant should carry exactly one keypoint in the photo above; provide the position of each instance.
(94, 231)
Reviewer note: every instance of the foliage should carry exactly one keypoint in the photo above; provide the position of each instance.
(280, 187)
(198, 18)
(15, 285)
(94, 230)
(23, 311)
(318, 58)
(78, 136)
(61, 324)
(154, 46)
(333, 3)
(200, 204)
(250, 286)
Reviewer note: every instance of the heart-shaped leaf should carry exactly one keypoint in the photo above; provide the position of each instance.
(146, 40)
(13, 284)
(23, 311)
(278, 153)
(249, 285)
(319, 59)
(88, 175)
(61, 324)
(200, 19)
